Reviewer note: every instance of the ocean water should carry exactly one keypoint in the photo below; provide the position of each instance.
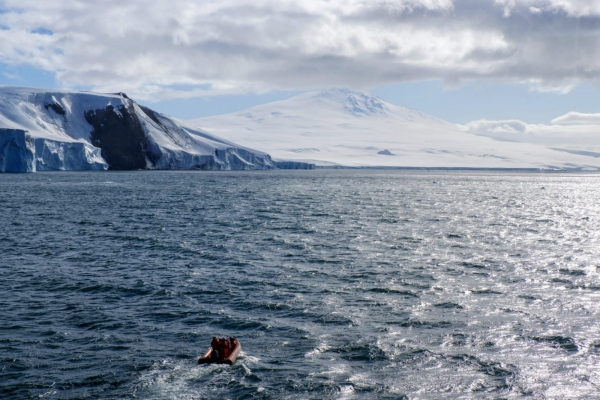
(338, 284)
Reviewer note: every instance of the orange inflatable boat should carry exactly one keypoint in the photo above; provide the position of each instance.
(221, 351)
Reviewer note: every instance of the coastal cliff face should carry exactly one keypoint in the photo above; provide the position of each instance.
(20, 152)
(89, 131)
(16, 151)
(52, 155)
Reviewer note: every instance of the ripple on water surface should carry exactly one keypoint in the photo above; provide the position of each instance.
(339, 284)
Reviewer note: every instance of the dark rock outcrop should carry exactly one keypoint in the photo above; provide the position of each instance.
(119, 134)
(56, 107)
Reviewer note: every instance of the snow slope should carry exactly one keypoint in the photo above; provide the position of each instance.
(343, 127)
(79, 131)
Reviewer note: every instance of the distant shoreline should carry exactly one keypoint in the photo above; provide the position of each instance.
(483, 169)
(337, 168)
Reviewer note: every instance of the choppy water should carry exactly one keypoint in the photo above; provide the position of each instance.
(339, 284)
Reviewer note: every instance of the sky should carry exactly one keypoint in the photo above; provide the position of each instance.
(460, 60)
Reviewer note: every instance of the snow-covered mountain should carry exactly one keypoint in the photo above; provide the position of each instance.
(59, 130)
(343, 127)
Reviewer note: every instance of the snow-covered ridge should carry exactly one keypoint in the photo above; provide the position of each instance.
(90, 131)
(341, 127)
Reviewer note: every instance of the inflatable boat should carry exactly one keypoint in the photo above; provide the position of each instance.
(221, 351)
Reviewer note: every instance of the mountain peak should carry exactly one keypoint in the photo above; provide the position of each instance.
(346, 127)
(359, 104)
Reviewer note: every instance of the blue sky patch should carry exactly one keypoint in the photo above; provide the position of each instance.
(42, 31)
(24, 75)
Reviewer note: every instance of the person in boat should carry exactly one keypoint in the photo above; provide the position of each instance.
(222, 347)
(226, 349)
(214, 354)
(216, 347)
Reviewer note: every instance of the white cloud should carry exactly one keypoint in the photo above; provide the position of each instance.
(577, 118)
(164, 49)
(572, 130)
(574, 8)
(485, 127)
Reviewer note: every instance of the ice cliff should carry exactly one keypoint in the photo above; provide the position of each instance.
(59, 130)
(21, 152)
(17, 151)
